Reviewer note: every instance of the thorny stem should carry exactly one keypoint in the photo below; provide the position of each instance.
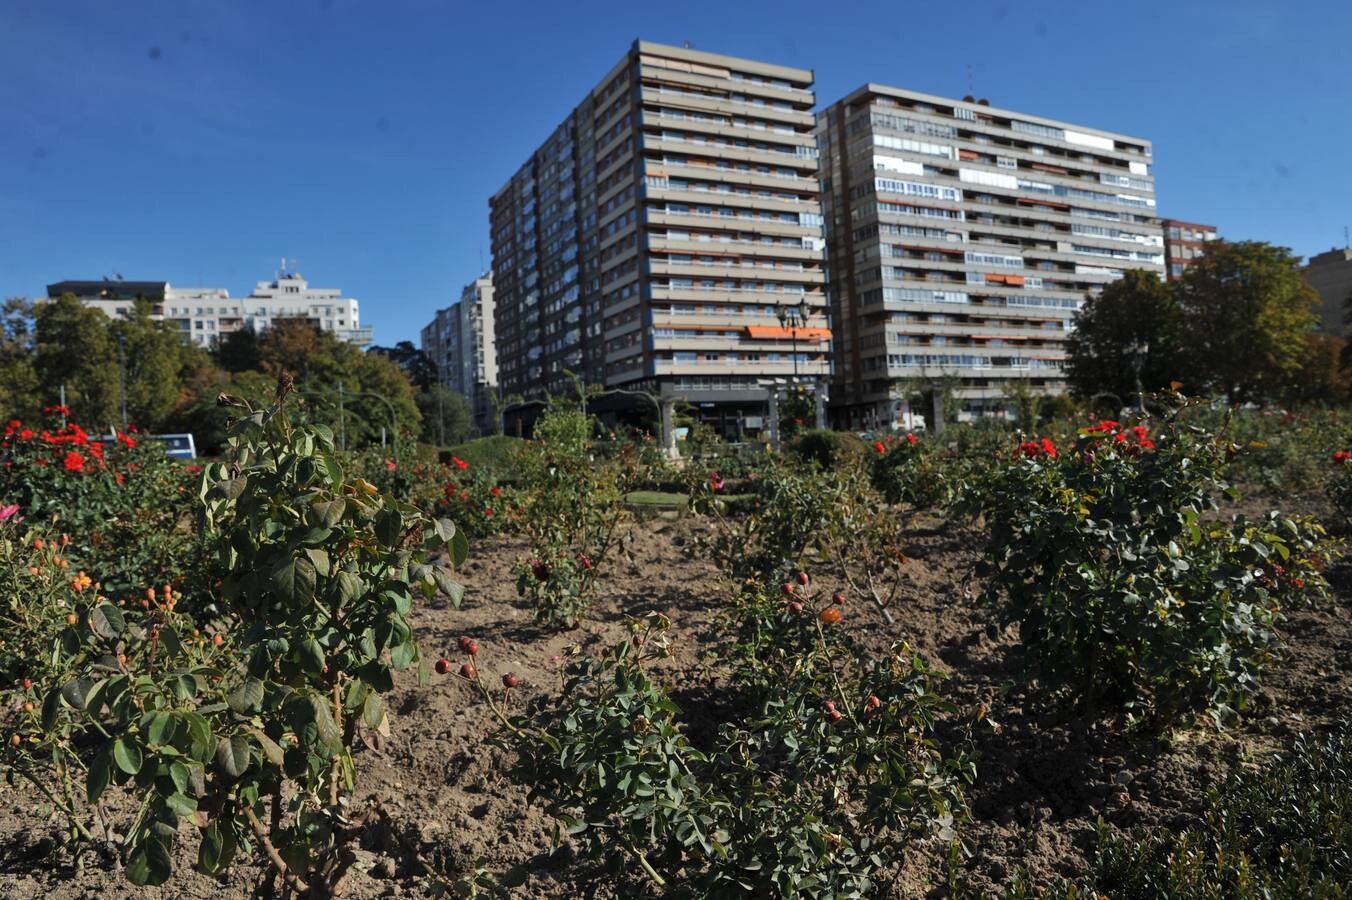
(831, 668)
(295, 881)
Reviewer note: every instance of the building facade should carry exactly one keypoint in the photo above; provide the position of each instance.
(1330, 274)
(1184, 244)
(460, 343)
(962, 240)
(667, 238)
(202, 316)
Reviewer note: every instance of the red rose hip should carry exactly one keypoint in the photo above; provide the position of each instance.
(443, 666)
(510, 681)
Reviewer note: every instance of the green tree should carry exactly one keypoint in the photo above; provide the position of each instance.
(1323, 378)
(153, 355)
(417, 365)
(1246, 310)
(1134, 321)
(238, 351)
(18, 379)
(74, 349)
(321, 363)
(446, 417)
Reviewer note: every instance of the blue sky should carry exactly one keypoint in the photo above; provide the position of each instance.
(200, 142)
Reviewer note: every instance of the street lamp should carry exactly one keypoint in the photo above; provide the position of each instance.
(793, 317)
(122, 361)
(1139, 350)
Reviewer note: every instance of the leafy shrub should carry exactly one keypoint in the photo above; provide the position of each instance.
(911, 470)
(811, 795)
(574, 513)
(248, 735)
(1124, 591)
(791, 507)
(827, 448)
(124, 505)
(478, 502)
(1340, 485)
(1282, 829)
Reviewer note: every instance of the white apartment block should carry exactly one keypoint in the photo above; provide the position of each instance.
(203, 315)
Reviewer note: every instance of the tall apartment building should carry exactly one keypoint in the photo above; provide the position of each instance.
(203, 315)
(459, 341)
(1184, 244)
(1330, 273)
(657, 237)
(962, 240)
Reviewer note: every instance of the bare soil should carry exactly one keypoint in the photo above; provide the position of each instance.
(1044, 779)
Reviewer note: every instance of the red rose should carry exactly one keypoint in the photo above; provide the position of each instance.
(74, 462)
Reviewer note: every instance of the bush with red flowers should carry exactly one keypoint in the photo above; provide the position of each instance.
(473, 496)
(1128, 590)
(125, 506)
(912, 470)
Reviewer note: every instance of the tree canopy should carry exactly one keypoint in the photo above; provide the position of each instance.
(1132, 322)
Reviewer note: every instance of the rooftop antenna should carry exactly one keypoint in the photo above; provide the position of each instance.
(685, 44)
(1346, 244)
(282, 271)
(970, 89)
(481, 257)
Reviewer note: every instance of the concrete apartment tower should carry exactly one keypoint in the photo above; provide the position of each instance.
(459, 341)
(962, 240)
(667, 237)
(1330, 273)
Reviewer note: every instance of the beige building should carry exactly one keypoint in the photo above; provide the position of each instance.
(668, 237)
(1330, 274)
(962, 240)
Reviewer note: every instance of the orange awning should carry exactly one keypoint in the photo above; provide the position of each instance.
(771, 333)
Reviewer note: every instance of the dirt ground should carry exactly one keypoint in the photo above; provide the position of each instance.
(1043, 780)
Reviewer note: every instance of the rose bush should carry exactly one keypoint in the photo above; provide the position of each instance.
(248, 734)
(1127, 588)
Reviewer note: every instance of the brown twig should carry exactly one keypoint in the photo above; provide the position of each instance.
(297, 883)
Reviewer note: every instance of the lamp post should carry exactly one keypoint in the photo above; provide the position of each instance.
(793, 318)
(1139, 350)
(122, 361)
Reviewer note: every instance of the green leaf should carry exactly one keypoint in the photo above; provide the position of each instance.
(449, 586)
(181, 804)
(389, 525)
(179, 774)
(229, 489)
(150, 863)
(294, 580)
(77, 692)
(402, 655)
(169, 641)
(349, 586)
(107, 621)
(312, 655)
(328, 513)
(247, 696)
(271, 749)
(100, 774)
(319, 559)
(374, 710)
(233, 755)
(161, 728)
(218, 846)
(127, 755)
(459, 548)
(326, 729)
(51, 705)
